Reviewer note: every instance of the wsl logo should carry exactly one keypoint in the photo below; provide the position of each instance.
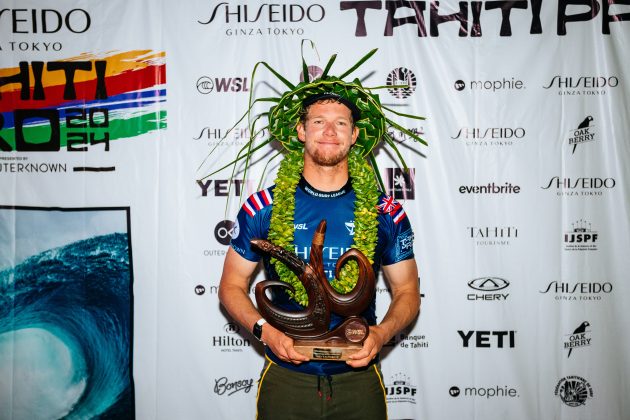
(400, 390)
(206, 85)
(490, 287)
(400, 184)
(401, 77)
(585, 132)
(582, 186)
(581, 237)
(580, 337)
(583, 85)
(574, 391)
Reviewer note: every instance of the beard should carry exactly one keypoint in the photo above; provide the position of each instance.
(329, 158)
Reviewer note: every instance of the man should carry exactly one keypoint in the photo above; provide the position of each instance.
(291, 386)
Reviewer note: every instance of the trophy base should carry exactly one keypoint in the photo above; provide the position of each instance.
(323, 350)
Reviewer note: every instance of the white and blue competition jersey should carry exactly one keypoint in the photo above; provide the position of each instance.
(395, 243)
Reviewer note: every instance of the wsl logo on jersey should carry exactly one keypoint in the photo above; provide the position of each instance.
(573, 390)
(581, 237)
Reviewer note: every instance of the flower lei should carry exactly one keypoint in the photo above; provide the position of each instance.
(365, 218)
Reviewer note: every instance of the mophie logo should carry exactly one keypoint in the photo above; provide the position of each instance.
(498, 391)
(487, 339)
(582, 85)
(401, 77)
(469, 16)
(489, 136)
(581, 186)
(581, 237)
(488, 289)
(497, 85)
(585, 132)
(573, 391)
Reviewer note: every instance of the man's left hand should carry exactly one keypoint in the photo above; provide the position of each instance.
(371, 346)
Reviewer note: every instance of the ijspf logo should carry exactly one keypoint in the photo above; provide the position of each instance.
(581, 237)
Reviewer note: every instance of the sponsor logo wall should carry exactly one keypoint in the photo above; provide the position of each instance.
(519, 205)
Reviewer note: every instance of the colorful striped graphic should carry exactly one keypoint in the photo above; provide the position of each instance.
(122, 93)
(257, 201)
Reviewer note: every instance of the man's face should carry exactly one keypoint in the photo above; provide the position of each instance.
(327, 133)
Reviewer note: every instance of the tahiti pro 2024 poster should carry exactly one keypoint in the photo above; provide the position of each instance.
(66, 313)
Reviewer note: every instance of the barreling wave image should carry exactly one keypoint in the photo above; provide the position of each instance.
(66, 331)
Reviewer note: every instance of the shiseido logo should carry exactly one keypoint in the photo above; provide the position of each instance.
(490, 188)
(585, 132)
(227, 137)
(469, 17)
(487, 339)
(44, 21)
(488, 285)
(400, 184)
(401, 77)
(489, 136)
(573, 390)
(226, 12)
(580, 337)
(400, 389)
(581, 237)
(582, 85)
(578, 291)
(492, 235)
(206, 85)
(581, 186)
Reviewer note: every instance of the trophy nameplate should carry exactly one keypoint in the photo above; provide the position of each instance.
(309, 327)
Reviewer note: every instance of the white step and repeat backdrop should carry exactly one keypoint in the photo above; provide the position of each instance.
(111, 250)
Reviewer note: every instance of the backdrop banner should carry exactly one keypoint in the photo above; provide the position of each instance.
(520, 203)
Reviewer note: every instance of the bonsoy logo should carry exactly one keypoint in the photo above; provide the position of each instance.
(401, 76)
(225, 386)
(225, 230)
(573, 390)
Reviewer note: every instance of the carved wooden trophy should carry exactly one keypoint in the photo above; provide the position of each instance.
(309, 327)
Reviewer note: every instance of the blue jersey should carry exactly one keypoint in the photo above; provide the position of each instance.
(395, 243)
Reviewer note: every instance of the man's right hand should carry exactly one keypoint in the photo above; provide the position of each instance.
(281, 345)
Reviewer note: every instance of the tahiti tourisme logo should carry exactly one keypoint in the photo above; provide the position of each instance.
(400, 389)
(492, 235)
(401, 76)
(79, 104)
(573, 390)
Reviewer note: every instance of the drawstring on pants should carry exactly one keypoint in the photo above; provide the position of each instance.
(319, 386)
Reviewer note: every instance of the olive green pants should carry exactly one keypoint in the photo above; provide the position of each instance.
(284, 395)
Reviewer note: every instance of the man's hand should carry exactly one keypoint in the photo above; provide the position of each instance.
(282, 345)
(371, 346)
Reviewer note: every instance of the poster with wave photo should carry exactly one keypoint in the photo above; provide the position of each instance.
(66, 314)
